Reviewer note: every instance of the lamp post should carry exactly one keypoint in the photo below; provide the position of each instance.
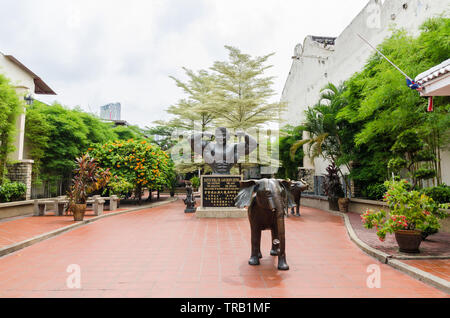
(29, 99)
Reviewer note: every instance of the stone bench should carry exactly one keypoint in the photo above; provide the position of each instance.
(60, 203)
(113, 201)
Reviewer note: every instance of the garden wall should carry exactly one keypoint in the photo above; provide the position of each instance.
(13, 209)
(359, 206)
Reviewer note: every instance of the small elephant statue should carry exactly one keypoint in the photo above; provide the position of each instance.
(265, 200)
(296, 189)
(190, 199)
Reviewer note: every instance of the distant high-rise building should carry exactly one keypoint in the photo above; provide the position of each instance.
(110, 111)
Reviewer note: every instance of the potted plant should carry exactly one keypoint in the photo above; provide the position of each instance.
(412, 215)
(333, 188)
(88, 178)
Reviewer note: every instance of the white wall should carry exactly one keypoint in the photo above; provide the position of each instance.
(307, 76)
(24, 85)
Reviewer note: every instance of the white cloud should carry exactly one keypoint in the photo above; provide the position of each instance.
(95, 52)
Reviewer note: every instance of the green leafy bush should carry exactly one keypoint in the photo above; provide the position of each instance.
(375, 191)
(195, 182)
(409, 210)
(440, 194)
(12, 191)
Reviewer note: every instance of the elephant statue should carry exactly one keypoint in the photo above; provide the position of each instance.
(296, 189)
(266, 203)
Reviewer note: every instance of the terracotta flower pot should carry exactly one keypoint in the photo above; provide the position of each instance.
(78, 211)
(343, 204)
(408, 240)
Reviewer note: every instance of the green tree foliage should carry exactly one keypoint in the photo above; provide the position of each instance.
(128, 132)
(196, 107)
(134, 165)
(57, 135)
(326, 132)
(289, 166)
(242, 92)
(379, 106)
(162, 134)
(234, 95)
(10, 106)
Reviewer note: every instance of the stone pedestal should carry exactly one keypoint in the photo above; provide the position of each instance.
(22, 172)
(217, 197)
(221, 213)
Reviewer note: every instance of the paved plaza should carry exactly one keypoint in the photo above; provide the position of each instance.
(163, 252)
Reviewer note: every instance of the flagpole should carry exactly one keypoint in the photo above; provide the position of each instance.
(362, 38)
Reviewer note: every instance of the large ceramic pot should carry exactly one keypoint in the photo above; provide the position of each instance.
(78, 211)
(333, 204)
(343, 204)
(408, 240)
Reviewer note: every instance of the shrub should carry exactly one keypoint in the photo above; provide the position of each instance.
(12, 191)
(409, 210)
(195, 182)
(375, 191)
(134, 165)
(440, 194)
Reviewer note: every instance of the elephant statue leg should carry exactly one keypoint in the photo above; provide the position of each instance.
(282, 264)
(256, 246)
(298, 204)
(274, 250)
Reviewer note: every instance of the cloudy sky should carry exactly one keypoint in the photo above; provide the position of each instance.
(93, 52)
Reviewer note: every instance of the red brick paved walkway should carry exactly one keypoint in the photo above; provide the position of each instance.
(434, 245)
(162, 252)
(21, 229)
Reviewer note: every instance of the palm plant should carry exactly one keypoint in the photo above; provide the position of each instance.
(324, 128)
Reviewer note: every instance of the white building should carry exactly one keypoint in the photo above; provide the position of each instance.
(320, 60)
(26, 84)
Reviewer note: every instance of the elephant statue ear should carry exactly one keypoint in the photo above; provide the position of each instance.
(246, 194)
(286, 186)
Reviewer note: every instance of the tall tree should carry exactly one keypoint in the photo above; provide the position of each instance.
(195, 108)
(242, 92)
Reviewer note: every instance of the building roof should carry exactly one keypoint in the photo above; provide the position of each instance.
(40, 86)
(433, 72)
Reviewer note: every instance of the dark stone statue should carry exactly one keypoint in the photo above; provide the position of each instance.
(266, 203)
(221, 155)
(296, 189)
(190, 199)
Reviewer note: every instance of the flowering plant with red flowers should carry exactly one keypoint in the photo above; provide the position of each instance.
(409, 210)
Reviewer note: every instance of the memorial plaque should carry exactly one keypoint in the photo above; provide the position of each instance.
(219, 191)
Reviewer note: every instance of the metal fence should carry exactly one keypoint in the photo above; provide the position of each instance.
(49, 189)
(319, 183)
